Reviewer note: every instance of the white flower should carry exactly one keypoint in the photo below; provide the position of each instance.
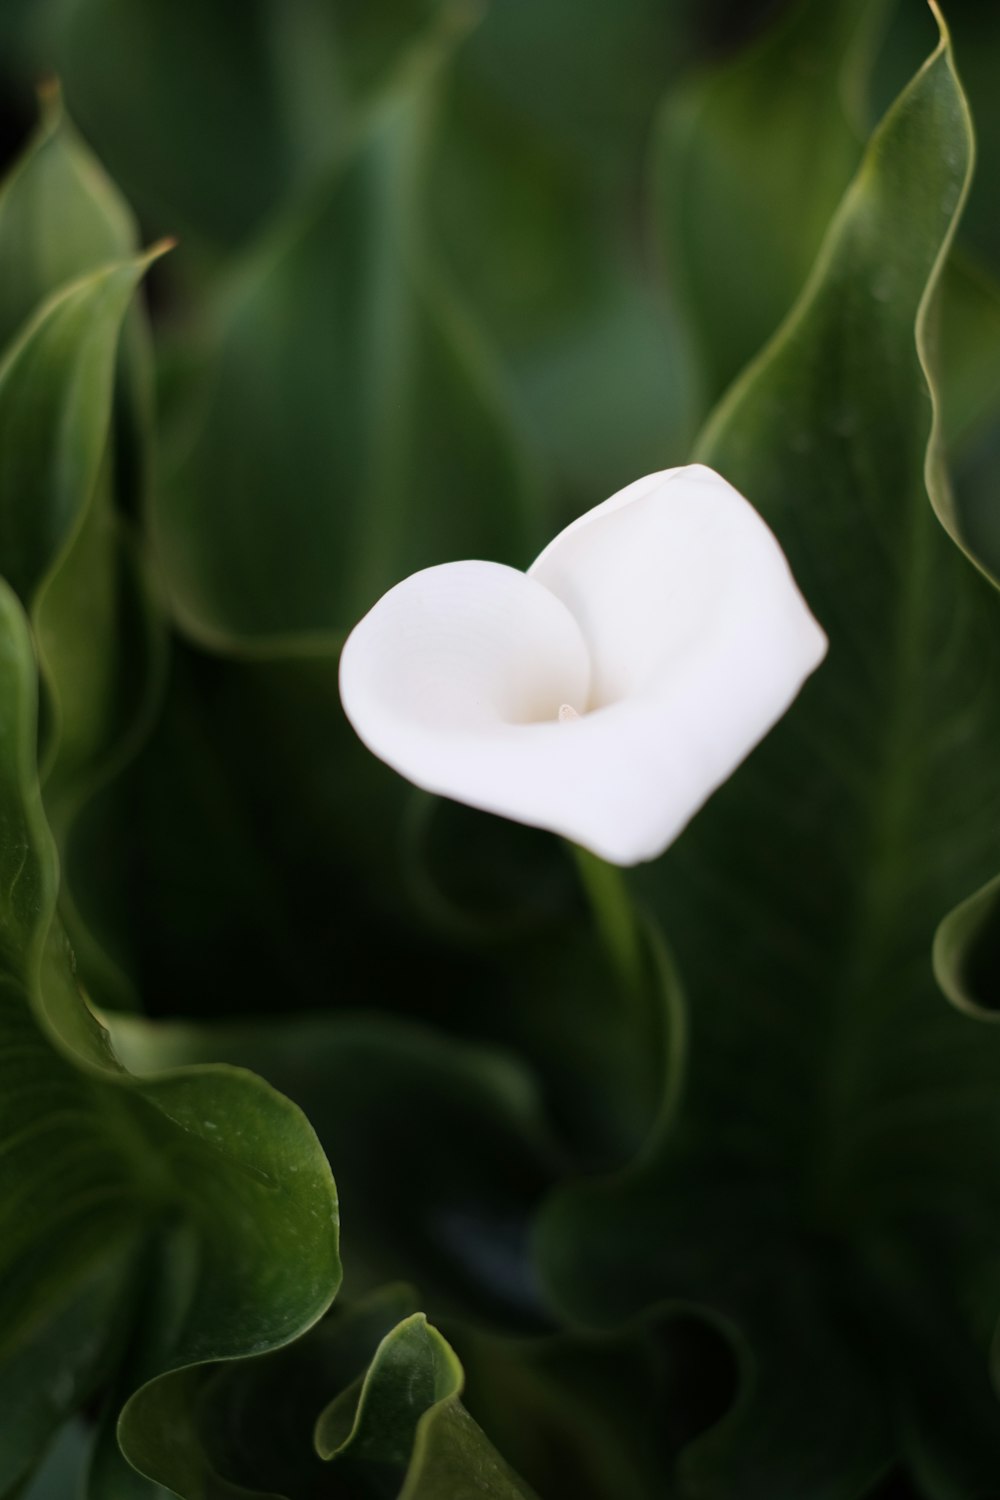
(608, 691)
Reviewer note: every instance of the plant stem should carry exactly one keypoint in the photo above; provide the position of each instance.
(614, 914)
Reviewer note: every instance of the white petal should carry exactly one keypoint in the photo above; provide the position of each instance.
(453, 662)
(695, 626)
(634, 491)
(668, 612)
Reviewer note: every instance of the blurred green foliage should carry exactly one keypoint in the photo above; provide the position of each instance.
(719, 1222)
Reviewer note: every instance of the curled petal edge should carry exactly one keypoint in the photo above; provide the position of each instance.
(606, 693)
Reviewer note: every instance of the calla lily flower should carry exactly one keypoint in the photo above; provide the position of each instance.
(607, 692)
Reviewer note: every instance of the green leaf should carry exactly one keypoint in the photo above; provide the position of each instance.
(72, 394)
(211, 117)
(345, 427)
(382, 1091)
(597, 1415)
(533, 188)
(66, 1459)
(248, 855)
(413, 1369)
(68, 553)
(408, 1412)
(69, 1232)
(970, 353)
(59, 218)
(55, 402)
(394, 1425)
(829, 1184)
(975, 42)
(93, 1164)
(966, 954)
(256, 1418)
(750, 162)
(970, 356)
(187, 105)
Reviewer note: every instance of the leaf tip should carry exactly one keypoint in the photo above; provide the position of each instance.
(48, 91)
(160, 248)
(942, 25)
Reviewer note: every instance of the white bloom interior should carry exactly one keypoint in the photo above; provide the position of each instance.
(607, 692)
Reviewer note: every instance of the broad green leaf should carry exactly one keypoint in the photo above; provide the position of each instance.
(977, 43)
(102, 652)
(533, 190)
(66, 550)
(256, 1418)
(55, 403)
(211, 116)
(750, 162)
(966, 946)
(413, 1368)
(365, 1404)
(408, 1413)
(969, 331)
(211, 1162)
(583, 988)
(65, 1461)
(255, 849)
(72, 403)
(59, 218)
(972, 26)
(373, 39)
(966, 953)
(578, 111)
(829, 1184)
(69, 1231)
(187, 105)
(587, 1416)
(250, 856)
(970, 357)
(387, 1098)
(345, 427)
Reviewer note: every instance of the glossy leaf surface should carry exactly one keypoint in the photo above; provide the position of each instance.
(94, 1165)
(836, 1108)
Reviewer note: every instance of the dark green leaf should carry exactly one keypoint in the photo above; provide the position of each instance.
(838, 1139)
(413, 1369)
(534, 189)
(393, 1427)
(186, 104)
(408, 1413)
(597, 1415)
(381, 1091)
(346, 427)
(966, 955)
(750, 163)
(244, 882)
(970, 353)
(59, 218)
(55, 404)
(72, 399)
(93, 1163)
(256, 1418)
(67, 552)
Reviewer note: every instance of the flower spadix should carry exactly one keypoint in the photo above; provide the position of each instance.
(608, 691)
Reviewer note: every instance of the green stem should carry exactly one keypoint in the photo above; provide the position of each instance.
(614, 914)
(654, 1000)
